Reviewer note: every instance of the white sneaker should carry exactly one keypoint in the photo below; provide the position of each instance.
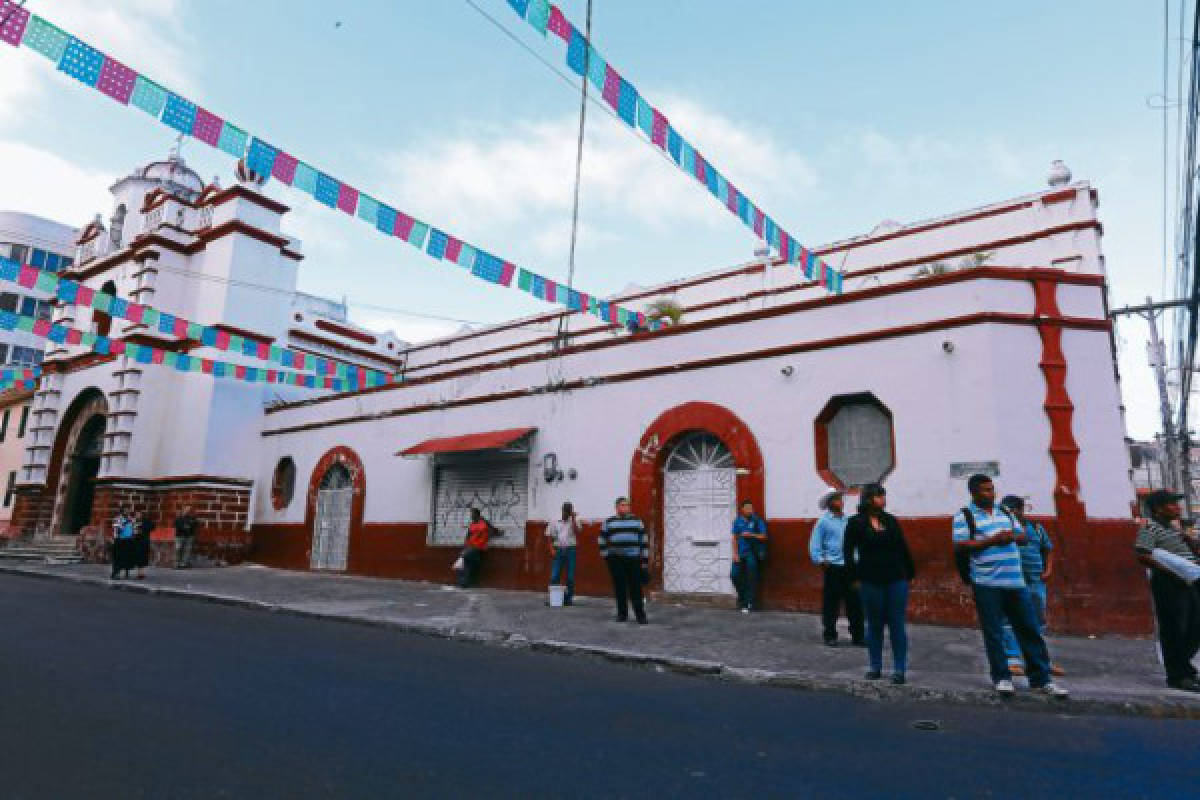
(1054, 691)
(1004, 688)
(745, 611)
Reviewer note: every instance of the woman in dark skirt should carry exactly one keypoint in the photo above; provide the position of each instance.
(141, 543)
(879, 561)
(122, 555)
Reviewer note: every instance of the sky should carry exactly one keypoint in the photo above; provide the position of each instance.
(832, 116)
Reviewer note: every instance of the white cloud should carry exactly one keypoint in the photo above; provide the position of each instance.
(36, 181)
(497, 178)
(933, 159)
(148, 35)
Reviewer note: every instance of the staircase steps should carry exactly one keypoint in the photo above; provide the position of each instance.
(54, 550)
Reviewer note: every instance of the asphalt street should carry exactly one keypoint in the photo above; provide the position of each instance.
(115, 694)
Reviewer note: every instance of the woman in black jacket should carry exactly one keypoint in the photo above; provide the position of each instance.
(140, 556)
(879, 560)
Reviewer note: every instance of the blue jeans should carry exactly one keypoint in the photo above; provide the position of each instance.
(564, 559)
(1037, 593)
(744, 574)
(995, 605)
(886, 604)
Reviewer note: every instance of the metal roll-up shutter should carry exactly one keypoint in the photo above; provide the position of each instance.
(497, 487)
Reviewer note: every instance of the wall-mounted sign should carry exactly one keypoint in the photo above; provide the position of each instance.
(961, 470)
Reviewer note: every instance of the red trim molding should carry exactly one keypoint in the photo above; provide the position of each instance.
(349, 333)
(980, 273)
(1064, 450)
(838, 247)
(260, 338)
(239, 483)
(296, 333)
(646, 468)
(675, 369)
(239, 191)
(76, 363)
(100, 266)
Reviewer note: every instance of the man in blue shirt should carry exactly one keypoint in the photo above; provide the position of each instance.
(749, 554)
(1037, 565)
(825, 549)
(989, 535)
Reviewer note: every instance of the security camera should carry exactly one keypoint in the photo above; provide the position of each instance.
(947, 347)
(787, 371)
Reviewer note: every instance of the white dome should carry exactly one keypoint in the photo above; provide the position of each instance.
(173, 175)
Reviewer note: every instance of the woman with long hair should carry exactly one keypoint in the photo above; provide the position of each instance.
(879, 561)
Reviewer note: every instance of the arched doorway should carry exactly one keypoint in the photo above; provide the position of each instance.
(331, 526)
(75, 461)
(699, 503)
(82, 469)
(647, 469)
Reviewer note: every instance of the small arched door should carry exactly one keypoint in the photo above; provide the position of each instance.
(699, 488)
(331, 526)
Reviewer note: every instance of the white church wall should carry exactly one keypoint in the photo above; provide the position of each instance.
(981, 403)
(1103, 458)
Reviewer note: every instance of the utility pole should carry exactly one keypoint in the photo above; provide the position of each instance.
(1158, 357)
(1174, 477)
(561, 339)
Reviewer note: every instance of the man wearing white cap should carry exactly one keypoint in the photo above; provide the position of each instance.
(825, 548)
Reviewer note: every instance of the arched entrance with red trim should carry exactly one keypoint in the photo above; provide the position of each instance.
(658, 441)
(75, 461)
(337, 492)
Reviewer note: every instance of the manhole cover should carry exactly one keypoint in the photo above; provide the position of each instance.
(927, 725)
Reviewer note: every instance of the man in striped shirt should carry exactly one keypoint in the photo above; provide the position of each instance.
(1176, 602)
(990, 535)
(624, 548)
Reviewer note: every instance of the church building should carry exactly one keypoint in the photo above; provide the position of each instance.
(975, 341)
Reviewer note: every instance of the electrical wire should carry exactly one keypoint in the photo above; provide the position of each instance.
(564, 321)
(406, 312)
(1165, 145)
(569, 81)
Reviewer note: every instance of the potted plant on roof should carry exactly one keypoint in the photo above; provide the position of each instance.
(665, 309)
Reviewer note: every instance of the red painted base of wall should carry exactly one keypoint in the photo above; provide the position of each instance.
(212, 547)
(1098, 588)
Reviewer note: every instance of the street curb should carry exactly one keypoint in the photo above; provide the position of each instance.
(864, 690)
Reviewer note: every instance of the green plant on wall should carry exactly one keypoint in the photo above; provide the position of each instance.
(977, 259)
(665, 309)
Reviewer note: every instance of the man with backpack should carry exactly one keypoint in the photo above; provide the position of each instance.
(985, 540)
(1037, 565)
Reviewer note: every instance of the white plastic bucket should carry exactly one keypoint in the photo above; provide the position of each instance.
(557, 595)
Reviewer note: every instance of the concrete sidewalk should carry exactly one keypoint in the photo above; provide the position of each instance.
(1107, 675)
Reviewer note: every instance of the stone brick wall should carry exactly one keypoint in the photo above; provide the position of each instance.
(221, 512)
(33, 511)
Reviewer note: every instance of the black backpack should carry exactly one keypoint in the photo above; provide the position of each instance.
(962, 556)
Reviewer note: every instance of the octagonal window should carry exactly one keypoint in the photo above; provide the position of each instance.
(283, 483)
(855, 444)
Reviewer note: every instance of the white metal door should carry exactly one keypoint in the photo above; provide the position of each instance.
(332, 535)
(700, 485)
(499, 488)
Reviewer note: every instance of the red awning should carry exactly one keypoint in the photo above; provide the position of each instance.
(472, 441)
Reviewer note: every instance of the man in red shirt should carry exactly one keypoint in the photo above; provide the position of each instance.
(479, 531)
